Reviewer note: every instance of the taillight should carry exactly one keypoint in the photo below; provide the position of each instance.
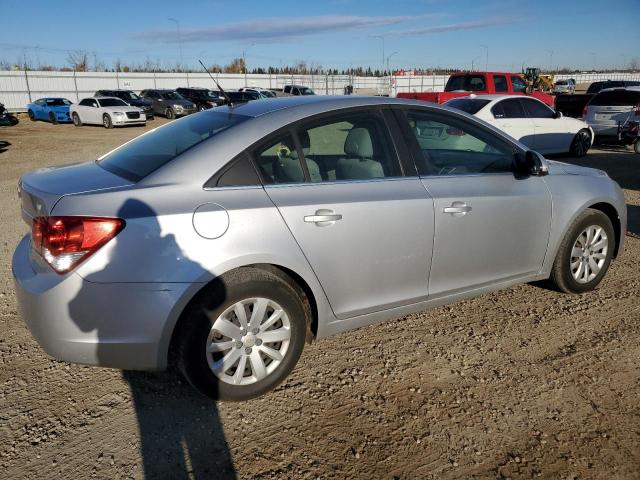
(585, 111)
(65, 242)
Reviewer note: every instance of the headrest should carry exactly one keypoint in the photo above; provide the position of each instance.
(358, 143)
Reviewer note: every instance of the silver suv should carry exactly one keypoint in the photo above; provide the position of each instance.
(612, 107)
(225, 240)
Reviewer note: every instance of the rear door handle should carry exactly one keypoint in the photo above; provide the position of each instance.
(323, 217)
(457, 209)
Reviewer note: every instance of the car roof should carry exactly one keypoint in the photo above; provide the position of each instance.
(494, 97)
(630, 88)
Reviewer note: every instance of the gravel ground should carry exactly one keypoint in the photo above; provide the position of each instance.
(522, 383)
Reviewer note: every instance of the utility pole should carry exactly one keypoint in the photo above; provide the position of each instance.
(177, 22)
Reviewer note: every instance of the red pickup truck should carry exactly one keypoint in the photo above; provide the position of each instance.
(480, 83)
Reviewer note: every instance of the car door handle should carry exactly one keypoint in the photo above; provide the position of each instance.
(323, 217)
(457, 208)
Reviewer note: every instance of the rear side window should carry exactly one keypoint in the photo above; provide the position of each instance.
(511, 108)
(138, 158)
(239, 172)
(616, 98)
(469, 83)
(500, 82)
(537, 109)
(468, 105)
(279, 162)
(518, 84)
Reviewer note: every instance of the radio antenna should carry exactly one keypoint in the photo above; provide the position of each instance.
(226, 97)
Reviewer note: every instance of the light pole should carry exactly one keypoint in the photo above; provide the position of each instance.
(244, 62)
(486, 59)
(388, 61)
(177, 22)
(473, 62)
(550, 52)
(381, 37)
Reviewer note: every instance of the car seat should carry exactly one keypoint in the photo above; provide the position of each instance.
(359, 163)
(287, 168)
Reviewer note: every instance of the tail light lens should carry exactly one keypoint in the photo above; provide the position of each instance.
(65, 242)
(585, 111)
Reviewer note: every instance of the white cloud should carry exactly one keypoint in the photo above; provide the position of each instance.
(487, 22)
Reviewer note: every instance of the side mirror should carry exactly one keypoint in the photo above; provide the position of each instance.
(530, 164)
(557, 114)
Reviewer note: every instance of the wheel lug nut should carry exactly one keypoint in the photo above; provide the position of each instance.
(247, 350)
(255, 331)
(258, 342)
(238, 344)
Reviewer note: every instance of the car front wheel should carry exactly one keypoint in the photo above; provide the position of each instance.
(76, 120)
(52, 118)
(106, 121)
(243, 334)
(169, 113)
(32, 115)
(585, 253)
(581, 143)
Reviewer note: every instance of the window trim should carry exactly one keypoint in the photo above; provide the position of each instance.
(523, 103)
(416, 152)
(506, 84)
(212, 183)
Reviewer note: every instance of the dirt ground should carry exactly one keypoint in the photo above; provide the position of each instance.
(523, 383)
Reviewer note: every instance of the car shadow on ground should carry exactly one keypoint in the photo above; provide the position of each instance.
(4, 146)
(180, 432)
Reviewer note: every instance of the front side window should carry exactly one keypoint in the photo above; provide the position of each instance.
(278, 161)
(112, 102)
(500, 82)
(349, 146)
(452, 146)
(138, 158)
(537, 109)
(519, 85)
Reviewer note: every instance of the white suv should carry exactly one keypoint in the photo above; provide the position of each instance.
(612, 107)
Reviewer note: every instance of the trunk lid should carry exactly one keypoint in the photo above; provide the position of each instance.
(40, 190)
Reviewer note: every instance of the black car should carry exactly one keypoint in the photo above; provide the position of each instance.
(129, 98)
(240, 97)
(203, 98)
(595, 87)
(168, 103)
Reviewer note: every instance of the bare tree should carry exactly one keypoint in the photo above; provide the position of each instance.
(236, 66)
(79, 60)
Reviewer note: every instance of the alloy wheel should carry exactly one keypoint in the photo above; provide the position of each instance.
(248, 341)
(589, 254)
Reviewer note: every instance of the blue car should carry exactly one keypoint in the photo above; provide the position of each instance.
(51, 109)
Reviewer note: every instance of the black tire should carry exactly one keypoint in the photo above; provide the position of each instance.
(76, 119)
(561, 274)
(195, 327)
(169, 113)
(106, 121)
(52, 118)
(202, 108)
(32, 116)
(581, 143)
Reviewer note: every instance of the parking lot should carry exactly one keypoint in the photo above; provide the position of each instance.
(522, 383)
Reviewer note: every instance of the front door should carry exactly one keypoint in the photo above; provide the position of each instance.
(552, 134)
(366, 230)
(489, 225)
(511, 118)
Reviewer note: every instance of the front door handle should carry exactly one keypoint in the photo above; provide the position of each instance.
(323, 217)
(457, 209)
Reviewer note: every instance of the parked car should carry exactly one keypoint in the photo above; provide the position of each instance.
(7, 119)
(479, 83)
(130, 98)
(201, 97)
(564, 86)
(183, 246)
(263, 92)
(168, 103)
(243, 97)
(573, 105)
(297, 90)
(612, 107)
(531, 122)
(107, 111)
(52, 109)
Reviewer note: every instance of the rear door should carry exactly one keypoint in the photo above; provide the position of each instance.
(364, 224)
(489, 225)
(511, 118)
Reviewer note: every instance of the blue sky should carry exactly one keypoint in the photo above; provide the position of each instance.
(330, 33)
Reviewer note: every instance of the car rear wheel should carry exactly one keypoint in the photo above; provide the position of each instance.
(52, 118)
(106, 121)
(242, 335)
(169, 113)
(76, 120)
(32, 115)
(581, 143)
(585, 253)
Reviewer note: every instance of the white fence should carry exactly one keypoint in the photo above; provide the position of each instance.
(18, 88)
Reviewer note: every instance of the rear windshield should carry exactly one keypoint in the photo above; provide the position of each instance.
(469, 105)
(138, 158)
(469, 83)
(616, 98)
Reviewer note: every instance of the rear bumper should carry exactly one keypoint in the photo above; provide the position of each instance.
(119, 325)
(604, 129)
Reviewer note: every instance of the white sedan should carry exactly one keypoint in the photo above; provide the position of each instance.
(107, 111)
(529, 121)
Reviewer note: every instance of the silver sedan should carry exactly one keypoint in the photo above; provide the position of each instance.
(224, 241)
